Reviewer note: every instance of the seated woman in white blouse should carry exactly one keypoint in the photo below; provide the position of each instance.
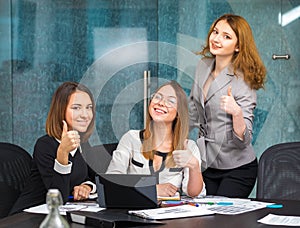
(162, 149)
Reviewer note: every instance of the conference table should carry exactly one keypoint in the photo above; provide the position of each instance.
(245, 220)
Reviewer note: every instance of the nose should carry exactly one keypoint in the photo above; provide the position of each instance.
(84, 113)
(216, 38)
(162, 102)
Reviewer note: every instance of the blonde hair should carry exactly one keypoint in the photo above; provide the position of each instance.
(180, 127)
(58, 107)
(247, 59)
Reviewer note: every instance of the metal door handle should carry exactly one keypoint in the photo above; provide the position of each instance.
(146, 93)
(287, 56)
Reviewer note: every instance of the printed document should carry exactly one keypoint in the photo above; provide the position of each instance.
(280, 220)
(182, 211)
(75, 206)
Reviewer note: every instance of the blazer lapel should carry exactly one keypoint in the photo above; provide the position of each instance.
(205, 74)
(222, 80)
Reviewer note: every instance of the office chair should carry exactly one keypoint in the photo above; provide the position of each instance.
(278, 172)
(14, 169)
(99, 157)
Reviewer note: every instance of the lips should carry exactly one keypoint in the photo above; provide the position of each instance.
(214, 46)
(160, 111)
(83, 123)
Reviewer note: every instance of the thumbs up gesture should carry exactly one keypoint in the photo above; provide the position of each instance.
(185, 158)
(228, 103)
(70, 140)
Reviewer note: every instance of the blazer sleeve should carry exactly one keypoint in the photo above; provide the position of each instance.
(45, 154)
(245, 97)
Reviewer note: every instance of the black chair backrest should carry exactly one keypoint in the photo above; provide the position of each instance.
(279, 172)
(100, 156)
(14, 169)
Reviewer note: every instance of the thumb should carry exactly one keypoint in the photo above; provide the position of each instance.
(65, 129)
(229, 91)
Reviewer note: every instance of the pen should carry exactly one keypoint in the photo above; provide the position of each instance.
(194, 204)
(173, 202)
(275, 206)
(71, 197)
(224, 203)
(217, 203)
(170, 203)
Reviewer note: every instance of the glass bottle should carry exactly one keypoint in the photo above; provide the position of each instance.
(54, 219)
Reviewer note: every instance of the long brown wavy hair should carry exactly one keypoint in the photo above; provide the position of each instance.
(180, 127)
(57, 112)
(247, 59)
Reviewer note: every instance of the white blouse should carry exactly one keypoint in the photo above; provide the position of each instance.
(128, 159)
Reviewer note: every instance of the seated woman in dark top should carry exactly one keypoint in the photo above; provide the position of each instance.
(57, 160)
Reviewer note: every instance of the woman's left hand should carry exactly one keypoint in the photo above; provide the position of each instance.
(81, 192)
(228, 103)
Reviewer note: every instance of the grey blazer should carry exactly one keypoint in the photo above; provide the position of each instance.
(219, 146)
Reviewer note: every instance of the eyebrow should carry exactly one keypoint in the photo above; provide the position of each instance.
(81, 104)
(224, 32)
(166, 95)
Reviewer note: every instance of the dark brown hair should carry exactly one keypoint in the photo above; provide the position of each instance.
(57, 112)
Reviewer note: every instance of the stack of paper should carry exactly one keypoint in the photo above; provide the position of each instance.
(171, 212)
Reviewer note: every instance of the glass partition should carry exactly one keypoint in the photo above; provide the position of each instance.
(109, 44)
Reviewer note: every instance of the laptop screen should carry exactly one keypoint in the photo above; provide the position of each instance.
(130, 191)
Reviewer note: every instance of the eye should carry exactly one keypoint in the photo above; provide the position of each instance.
(89, 107)
(172, 101)
(215, 31)
(75, 107)
(157, 97)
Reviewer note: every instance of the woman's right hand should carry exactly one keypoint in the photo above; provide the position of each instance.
(70, 140)
(166, 189)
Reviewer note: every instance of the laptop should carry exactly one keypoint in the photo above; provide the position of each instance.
(130, 191)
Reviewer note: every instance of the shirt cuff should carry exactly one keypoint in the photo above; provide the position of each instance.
(92, 185)
(62, 169)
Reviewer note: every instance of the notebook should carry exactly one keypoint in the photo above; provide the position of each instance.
(130, 191)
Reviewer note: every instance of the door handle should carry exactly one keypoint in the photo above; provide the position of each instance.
(146, 93)
(275, 57)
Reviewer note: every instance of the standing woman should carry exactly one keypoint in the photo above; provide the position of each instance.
(57, 160)
(221, 105)
(162, 149)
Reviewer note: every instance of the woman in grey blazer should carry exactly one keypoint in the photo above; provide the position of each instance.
(221, 105)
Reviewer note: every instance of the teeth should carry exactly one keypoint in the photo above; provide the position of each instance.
(159, 110)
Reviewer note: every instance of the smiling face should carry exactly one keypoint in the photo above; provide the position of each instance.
(79, 112)
(163, 106)
(223, 40)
